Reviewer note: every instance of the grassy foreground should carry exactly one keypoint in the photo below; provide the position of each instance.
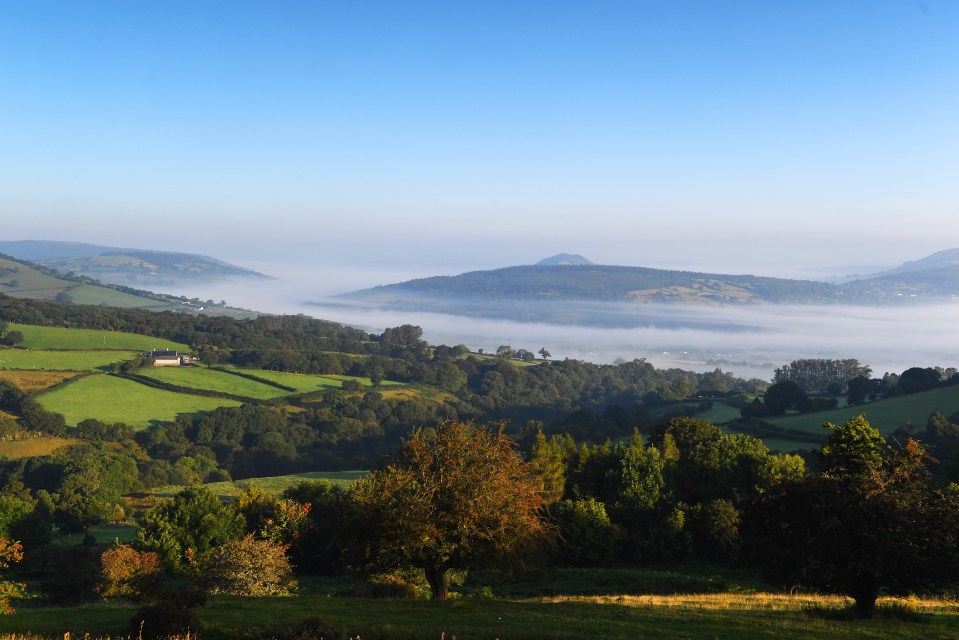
(607, 617)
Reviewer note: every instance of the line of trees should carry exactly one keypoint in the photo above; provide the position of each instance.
(870, 520)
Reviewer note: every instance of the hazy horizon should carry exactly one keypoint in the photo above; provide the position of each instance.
(363, 143)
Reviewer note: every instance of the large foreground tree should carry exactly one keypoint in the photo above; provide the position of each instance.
(871, 523)
(458, 497)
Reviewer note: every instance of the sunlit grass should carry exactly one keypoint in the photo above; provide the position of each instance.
(111, 399)
(36, 337)
(30, 381)
(32, 359)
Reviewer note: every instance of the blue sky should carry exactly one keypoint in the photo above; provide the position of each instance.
(734, 135)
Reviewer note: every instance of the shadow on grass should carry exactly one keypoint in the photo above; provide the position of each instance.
(894, 611)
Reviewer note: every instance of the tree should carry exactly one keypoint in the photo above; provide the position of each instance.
(783, 396)
(858, 390)
(13, 337)
(128, 573)
(193, 522)
(524, 355)
(91, 490)
(871, 522)
(247, 567)
(458, 497)
(10, 552)
(504, 351)
(546, 354)
(586, 534)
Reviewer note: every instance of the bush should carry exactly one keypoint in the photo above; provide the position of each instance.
(128, 573)
(715, 528)
(392, 587)
(164, 620)
(247, 567)
(587, 536)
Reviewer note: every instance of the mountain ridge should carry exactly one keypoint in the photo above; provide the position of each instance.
(142, 268)
(586, 294)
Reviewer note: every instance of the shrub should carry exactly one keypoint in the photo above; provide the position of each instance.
(172, 616)
(247, 567)
(715, 528)
(128, 573)
(587, 536)
(392, 587)
(10, 552)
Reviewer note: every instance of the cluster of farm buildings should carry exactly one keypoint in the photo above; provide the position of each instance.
(167, 358)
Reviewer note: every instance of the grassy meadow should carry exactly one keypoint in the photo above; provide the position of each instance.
(35, 337)
(213, 380)
(273, 484)
(561, 617)
(32, 447)
(27, 282)
(31, 381)
(27, 359)
(306, 383)
(885, 415)
(111, 399)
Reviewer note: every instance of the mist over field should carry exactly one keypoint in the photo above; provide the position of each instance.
(750, 341)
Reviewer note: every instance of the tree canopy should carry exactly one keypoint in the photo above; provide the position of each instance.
(455, 498)
(872, 522)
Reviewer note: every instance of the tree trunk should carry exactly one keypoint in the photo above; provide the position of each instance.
(865, 606)
(439, 582)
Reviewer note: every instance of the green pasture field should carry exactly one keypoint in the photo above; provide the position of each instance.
(33, 284)
(29, 281)
(610, 617)
(61, 360)
(111, 399)
(212, 380)
(273, 484)
(720, 412)
(885, 415)
(305, 383)
(105, 534)
(35, 337)
(92, 294)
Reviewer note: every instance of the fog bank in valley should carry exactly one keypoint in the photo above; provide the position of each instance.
(750, 341)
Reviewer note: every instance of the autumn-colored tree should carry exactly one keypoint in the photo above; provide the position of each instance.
(10, 552)
(455, 498)
(128, 573)
(247, 567)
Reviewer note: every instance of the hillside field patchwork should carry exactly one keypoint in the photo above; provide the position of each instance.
(112, 399)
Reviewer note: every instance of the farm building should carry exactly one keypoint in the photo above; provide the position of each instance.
(166, 358)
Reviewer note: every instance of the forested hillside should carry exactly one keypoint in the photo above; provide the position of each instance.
(559, 463)
(614, 296)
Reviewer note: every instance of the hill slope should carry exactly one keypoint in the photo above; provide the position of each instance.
(131, 267)
(559, 291)
(606, 283)
(21, 279)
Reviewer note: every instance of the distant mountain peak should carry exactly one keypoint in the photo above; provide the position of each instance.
(564, 259)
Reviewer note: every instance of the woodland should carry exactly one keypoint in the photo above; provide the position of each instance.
(480, 470)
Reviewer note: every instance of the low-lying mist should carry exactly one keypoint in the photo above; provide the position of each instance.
(750, 341)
